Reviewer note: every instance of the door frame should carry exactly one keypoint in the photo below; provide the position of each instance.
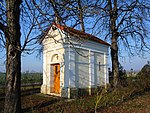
(53, 77)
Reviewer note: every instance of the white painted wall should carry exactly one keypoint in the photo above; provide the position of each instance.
(72, 68)
(85, 70)
(79, 63)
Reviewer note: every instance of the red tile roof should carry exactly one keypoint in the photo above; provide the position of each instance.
(81, 34)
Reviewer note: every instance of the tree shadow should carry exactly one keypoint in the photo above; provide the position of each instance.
(2, 96)
(28, 92)
(23, 93)
(41, 105)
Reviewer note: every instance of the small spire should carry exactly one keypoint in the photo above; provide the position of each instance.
(56, 20)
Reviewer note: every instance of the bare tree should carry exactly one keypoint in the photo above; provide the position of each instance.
(73, 11)
(21, 22)
(78, 11)
(11, 30)
(80, 15)
(14, 16)
(125, 24)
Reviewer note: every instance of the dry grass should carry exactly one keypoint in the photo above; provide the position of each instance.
(140, 104)
(131, 98)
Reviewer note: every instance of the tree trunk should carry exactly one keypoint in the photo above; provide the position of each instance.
(115, 64)
(13, 58)
(112, 6)
(13, 77)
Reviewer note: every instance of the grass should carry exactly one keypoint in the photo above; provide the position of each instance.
(140, 104)
(39, 103)
(26, 91)
(33, 102)
(136, 87)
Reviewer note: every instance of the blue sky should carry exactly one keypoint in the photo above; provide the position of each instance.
(31, 62)
(136, 63)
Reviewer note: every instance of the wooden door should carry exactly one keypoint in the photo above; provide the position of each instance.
(57, 78)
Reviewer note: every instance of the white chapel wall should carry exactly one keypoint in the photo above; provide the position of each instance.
(100, 68)
(82, 62)
(87, 68)
(72, 68)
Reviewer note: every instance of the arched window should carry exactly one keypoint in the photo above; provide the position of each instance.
(55, 58)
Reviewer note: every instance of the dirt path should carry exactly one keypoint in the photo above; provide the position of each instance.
(140, 104)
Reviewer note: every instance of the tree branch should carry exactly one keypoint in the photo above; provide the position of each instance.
(3, 27)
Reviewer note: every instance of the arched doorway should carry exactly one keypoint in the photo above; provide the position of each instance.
(55, 74)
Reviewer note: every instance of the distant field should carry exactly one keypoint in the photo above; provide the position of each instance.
(25, 78)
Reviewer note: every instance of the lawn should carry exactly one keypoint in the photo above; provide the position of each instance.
(117, 101)
(134, 97)
(40, 103)
(46, 104)
(139, 104)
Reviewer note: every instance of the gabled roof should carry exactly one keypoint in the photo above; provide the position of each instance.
(82, 34)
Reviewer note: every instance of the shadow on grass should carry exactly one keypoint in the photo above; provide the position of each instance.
(2, 99)
(23, 93)
(41, 105)
(30, 92)
(2, 96)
